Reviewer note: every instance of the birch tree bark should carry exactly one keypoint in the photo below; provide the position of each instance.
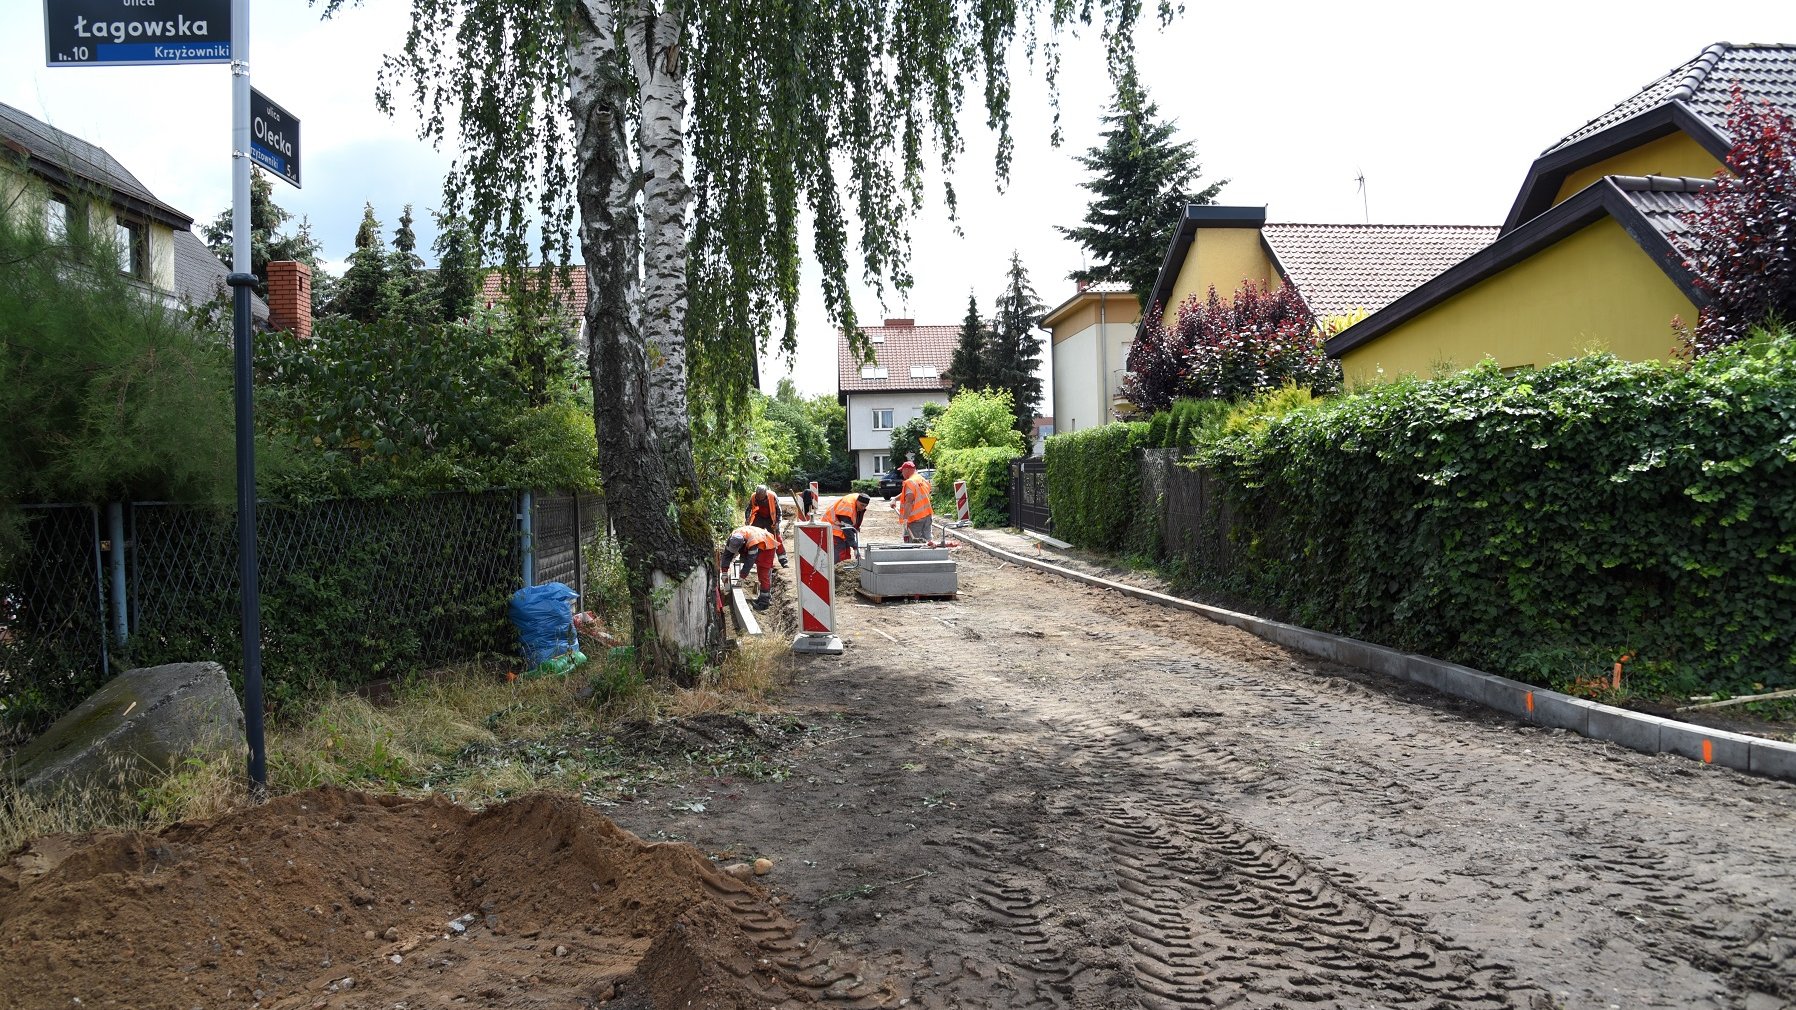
(637, 360)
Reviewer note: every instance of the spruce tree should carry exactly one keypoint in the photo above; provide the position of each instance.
(1016, 344)
(267, 242)
(407, 293)
(1141, 180)
(458, 270)
(971, 367)
(361, 293)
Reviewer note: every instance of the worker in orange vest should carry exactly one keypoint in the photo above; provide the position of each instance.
(915, 511)
(763, 509)
(846, 516)
(757, 548)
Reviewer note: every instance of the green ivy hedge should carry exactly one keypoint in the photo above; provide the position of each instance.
(986, 469)
(1540, 525)
(1094, 483)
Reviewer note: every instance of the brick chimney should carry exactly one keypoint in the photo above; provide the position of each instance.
(290, 297)
(900, 324)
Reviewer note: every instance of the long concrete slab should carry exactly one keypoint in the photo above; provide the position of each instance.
(1634, 730)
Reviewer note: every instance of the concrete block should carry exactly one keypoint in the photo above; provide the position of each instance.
(912, 567)
(909, 585)
(1710, 746)
(1772, 759)
(907, 552)
(1559, 711)
(1629, 729)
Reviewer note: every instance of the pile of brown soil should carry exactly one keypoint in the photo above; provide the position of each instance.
(334, 899)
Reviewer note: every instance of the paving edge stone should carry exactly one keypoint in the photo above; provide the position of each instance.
(1550, 709)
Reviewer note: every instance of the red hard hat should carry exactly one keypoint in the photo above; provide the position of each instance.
(907, 465)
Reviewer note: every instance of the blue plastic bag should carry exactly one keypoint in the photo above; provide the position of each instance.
(544, 618)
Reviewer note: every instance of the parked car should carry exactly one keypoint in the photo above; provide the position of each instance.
(890, 483)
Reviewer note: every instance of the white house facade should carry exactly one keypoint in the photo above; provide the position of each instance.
(907, 372)
(1089, 353)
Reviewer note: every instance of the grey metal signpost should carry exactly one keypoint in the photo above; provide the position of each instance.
(172, 32)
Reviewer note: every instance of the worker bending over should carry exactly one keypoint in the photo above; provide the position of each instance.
(915, 511)
(846, 516)
(763, 509)
(757, 548)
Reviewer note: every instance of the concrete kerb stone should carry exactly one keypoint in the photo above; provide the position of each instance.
(1549, 709)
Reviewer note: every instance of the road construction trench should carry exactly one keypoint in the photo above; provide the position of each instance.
(1047, 794)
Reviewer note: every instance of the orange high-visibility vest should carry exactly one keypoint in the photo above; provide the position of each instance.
(763, 505)
(844, 512)
(755, 538)
(913, 501)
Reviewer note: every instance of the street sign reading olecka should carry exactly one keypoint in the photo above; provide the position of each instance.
(273, 137)
(119, 33)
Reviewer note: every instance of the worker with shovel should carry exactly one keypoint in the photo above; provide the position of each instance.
(846, 516)
(757, 548)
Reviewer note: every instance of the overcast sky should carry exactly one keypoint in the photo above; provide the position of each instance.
(1439, 106)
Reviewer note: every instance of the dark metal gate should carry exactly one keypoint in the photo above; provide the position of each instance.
(1029, 494)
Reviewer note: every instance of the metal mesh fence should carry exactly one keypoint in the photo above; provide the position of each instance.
(352, 591)
(52, 615)
(1198, 518)
(563, 523)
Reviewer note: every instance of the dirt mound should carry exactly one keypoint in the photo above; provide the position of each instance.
(334, 899)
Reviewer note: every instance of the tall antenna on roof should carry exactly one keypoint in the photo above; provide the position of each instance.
(1364, 204)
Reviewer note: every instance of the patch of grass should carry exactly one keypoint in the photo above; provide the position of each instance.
(198, 788)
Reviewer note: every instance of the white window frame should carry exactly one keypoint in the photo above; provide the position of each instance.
(873, 371)
(59, 216)
(924, 372)
(889, 417)
(881, 464)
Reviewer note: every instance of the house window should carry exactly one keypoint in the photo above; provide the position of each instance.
(873, 371)
(133, 251)
(59, 214)
(881, 464)
(923, 372)
(882, 419)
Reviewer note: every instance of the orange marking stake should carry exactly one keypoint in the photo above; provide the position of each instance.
(1530, 702)
(1708, 752)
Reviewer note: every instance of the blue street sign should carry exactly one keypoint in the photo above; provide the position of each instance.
(117, 33)
(273, 137)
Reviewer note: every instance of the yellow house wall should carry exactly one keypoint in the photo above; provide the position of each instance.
(22, 194)
(1593, 291)
(1676, 154)
(1111, 309)
(1222, 258)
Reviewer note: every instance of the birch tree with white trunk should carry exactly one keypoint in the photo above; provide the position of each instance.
(785, 114)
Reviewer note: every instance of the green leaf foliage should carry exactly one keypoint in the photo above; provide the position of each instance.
(978, 419)
(986, 469)
(1094, 482)
(389, 408)
(1538, 525)
(907, 437)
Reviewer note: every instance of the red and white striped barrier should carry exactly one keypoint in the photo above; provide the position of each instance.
(815, 494)
(816, 589)
(961, 512)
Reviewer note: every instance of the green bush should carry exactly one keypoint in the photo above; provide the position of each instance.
(1540, 525)
(977, 419)
(1094, 483)
(1186, 423)
(986, 469)
(864, 485)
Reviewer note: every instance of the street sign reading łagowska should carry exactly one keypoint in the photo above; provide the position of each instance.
(118, 33)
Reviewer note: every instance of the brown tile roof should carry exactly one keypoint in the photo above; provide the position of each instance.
(898, 345)
(1343, 267)
(1705, 84)
(573, 300)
